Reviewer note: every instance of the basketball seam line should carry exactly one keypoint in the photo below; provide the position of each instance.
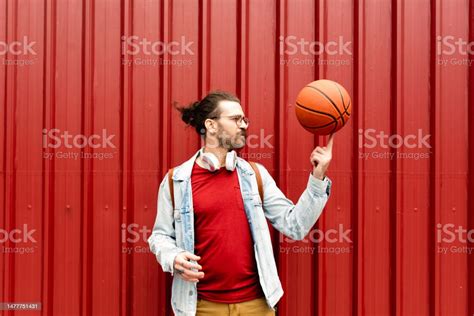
(342, 98)
(326, 125)
(312, 110)
(343, 103)
(348, 108)
(345, 109)
(323, 113)
(330, 100)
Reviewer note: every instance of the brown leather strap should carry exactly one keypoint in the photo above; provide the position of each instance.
(170, 183)
(259, 179)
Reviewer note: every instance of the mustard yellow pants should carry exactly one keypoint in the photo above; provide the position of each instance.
(257, 307)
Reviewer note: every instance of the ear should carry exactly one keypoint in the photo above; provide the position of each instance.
(210, 126)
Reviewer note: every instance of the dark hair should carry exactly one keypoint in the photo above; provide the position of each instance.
(197, 112)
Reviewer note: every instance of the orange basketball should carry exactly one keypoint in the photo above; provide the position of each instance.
(323, 107)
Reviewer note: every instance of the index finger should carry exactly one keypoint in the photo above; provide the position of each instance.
(190, 265)
(191, 256)
(330, 142)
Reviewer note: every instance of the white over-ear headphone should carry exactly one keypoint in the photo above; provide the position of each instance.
(211, 162)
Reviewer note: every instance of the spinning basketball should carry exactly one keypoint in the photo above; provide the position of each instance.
(323, 107)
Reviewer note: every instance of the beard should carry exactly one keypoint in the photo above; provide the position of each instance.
(232, 142)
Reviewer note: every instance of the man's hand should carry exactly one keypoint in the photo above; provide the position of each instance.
(321, 158)
(187, 270)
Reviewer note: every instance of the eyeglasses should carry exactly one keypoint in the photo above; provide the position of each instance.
(238, 119)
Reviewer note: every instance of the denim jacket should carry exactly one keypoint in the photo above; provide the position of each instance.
(173, 231)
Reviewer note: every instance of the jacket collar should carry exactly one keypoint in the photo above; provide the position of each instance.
(183, 171)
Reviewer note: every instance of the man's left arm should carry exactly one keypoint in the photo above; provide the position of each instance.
(295, 220)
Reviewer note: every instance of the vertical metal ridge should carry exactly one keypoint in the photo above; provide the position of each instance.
(239, 59)
(82, 163)
(470, 192)
(278, 72)
(123, 274)
(317, 28)
(315, 258)
(433, 268)
(124, 296)
(44, 296)
(282, 122)
(165, 159)
(10, 165)
(395, 205)
(91, 164)
(166, 83)
(246, 54)
(13, 193)
(43, 162)
(276, 118)
(200, 46)
(208, 40)
(242, 54)
(325, 37)
(322, 73)
(280, 160)
(164, 118)
(204, 47)
(129, 166)
(128, 180)
(356, 168)
(165, 93)
(52, 174)
(88, 176)
(90, 247)
(6, 174)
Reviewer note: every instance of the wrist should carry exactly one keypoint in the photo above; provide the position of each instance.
(318, 174)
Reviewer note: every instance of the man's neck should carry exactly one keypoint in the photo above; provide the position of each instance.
(219, 152)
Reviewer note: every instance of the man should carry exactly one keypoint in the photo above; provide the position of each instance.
(215, 241)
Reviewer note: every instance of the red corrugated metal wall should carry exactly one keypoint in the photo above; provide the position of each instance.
(74, 221)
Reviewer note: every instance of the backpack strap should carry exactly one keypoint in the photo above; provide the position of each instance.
(259, 179)
(170, 183)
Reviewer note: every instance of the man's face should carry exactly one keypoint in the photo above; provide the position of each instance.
(231, 132)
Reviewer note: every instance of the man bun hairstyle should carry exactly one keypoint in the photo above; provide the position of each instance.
(196, 113)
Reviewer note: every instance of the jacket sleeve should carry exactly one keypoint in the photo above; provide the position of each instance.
(162, 241)
(294, 220)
